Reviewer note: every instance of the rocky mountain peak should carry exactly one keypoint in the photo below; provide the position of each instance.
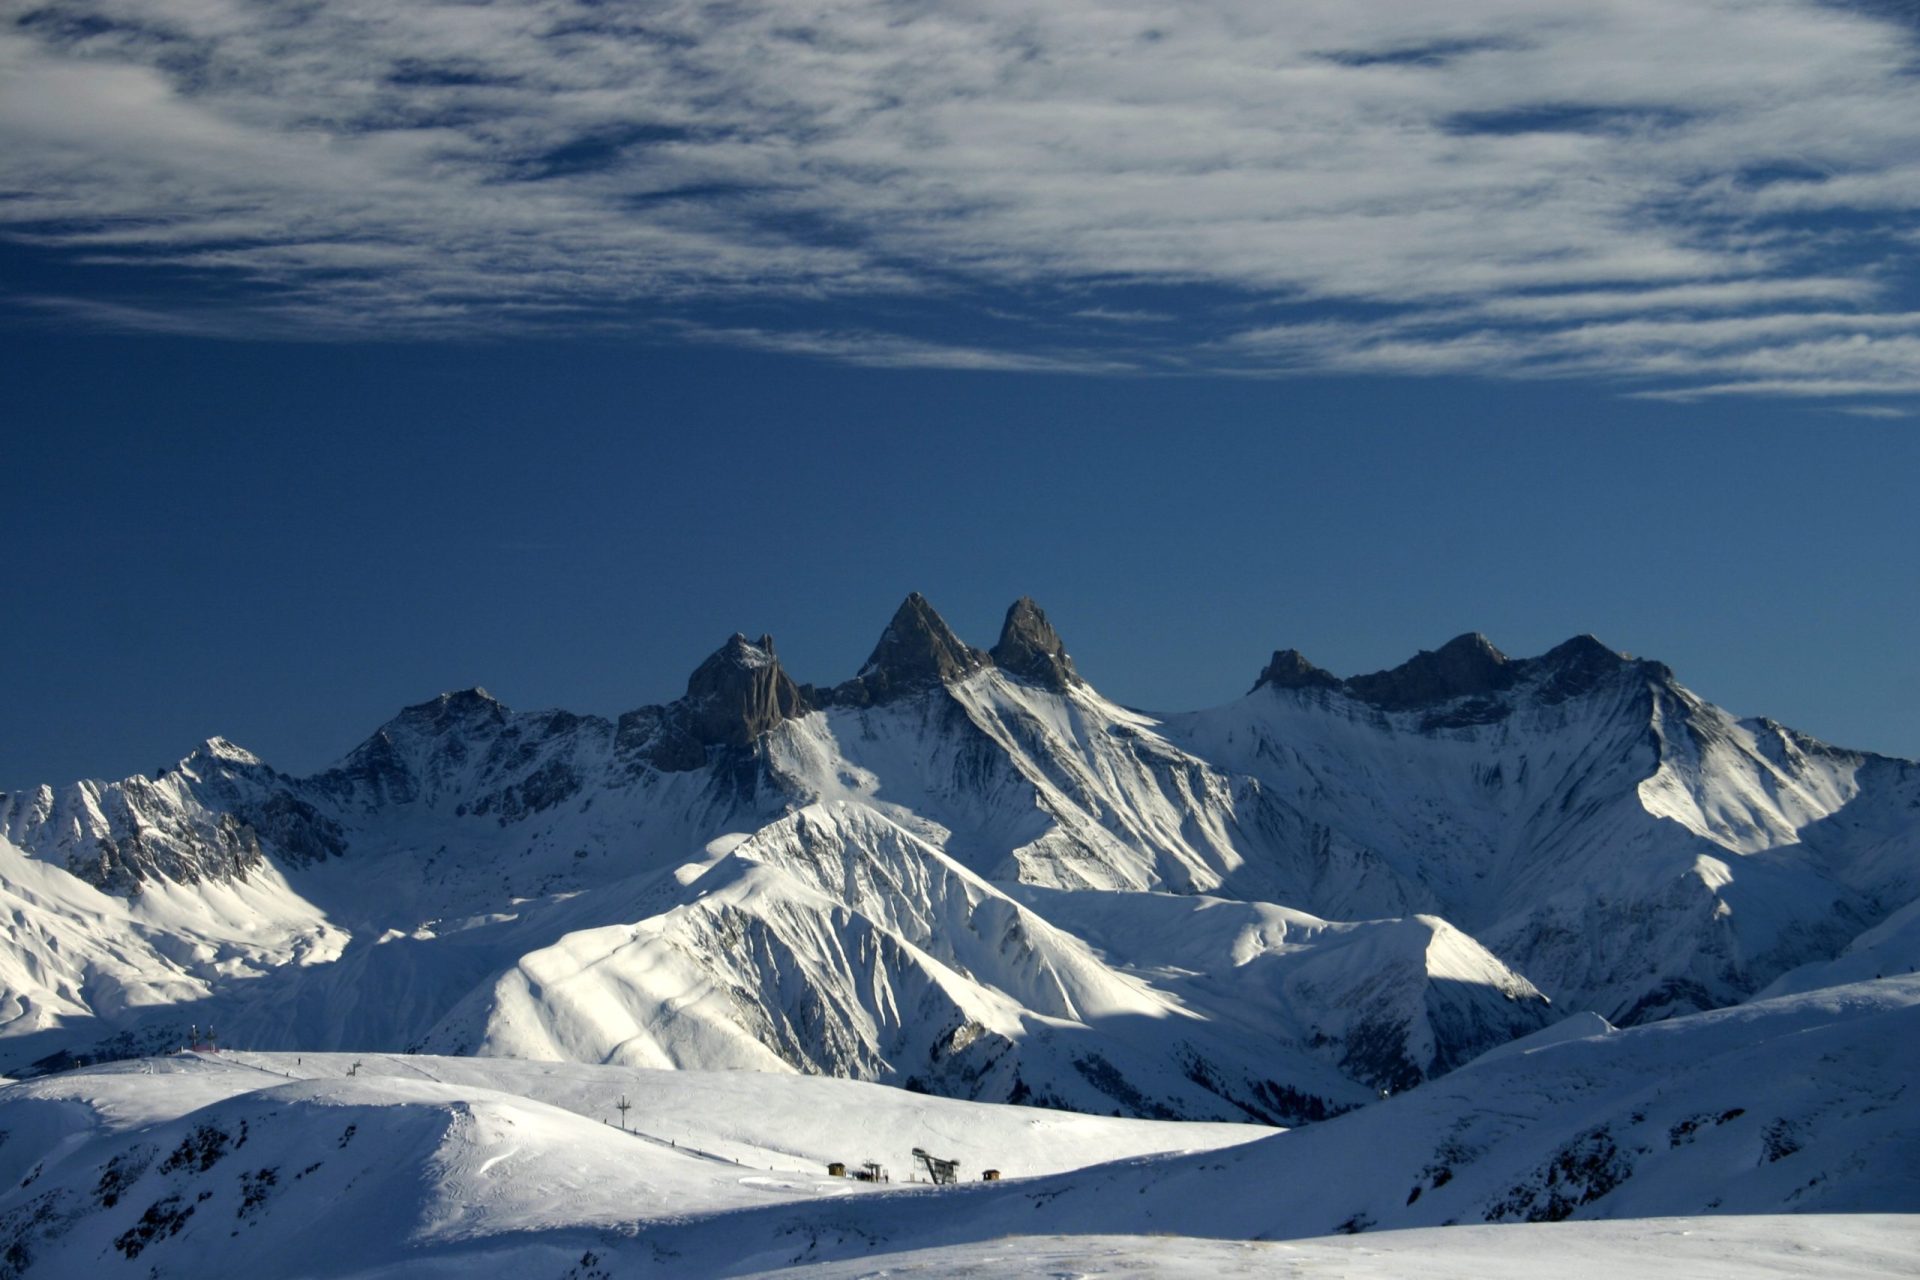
(1575, 667)
(737, 652)
(1467, 667)
(395, 763)
(1031, 649)
(457, 708)
(1290, 669)
(917, 651)
(1583, 648)
(737, 694)
(218, 750)
(1464, 666)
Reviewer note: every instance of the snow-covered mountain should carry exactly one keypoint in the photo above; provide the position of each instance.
(965, 871)
(1629, 847)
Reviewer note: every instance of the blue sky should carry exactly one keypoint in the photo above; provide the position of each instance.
(358, 351)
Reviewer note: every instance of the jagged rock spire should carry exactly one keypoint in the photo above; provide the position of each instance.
(918, 650)
(1031, 649)
(918, 647)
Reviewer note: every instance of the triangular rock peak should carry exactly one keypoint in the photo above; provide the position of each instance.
(1581, 664)
(1031, 649)
(917, 651)
(733, 697)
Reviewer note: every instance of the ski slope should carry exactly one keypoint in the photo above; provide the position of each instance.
(1761, 1247)
(1760, 1124)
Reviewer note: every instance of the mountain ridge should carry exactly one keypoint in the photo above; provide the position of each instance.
(1576, 827)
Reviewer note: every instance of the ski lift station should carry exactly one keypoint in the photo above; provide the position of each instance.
(940, 1172)
(871, 1171)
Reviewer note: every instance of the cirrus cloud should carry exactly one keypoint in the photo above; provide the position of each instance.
(1693, 197)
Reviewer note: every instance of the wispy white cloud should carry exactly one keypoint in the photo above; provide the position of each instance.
(128, 317)
(892, 351)
(1115, 315)
(1882, 412)
(1696, 194)
(1735, 295)
(1809, 388)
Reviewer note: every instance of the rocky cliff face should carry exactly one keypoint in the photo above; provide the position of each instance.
(732, 698)
(203, 819)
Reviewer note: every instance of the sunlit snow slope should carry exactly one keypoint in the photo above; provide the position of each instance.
(337, 1165)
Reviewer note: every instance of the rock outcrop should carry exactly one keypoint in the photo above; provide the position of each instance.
(1464, 666)
(1030, 649)
(918, 651)
(737, 694)
(1291, 670)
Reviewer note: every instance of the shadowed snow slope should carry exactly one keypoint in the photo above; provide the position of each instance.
(1843, 1247)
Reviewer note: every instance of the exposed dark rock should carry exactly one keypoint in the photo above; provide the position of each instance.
(732, 698)
(1460, 683)
(397, 764)
(551, 784)
(1031, 649)
(375, 770)
(1581, 1172)
(739, 693)
(461, 709)
(1462, 666)
(1576, 667)
(296, 830)
(181, 848)
(1465, 713)
(1291, 670)
(393, 764)
(917, 651)
(635, 730)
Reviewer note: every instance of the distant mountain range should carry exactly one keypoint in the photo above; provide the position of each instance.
(966, 872)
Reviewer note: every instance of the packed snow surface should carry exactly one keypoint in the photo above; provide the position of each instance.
(335, 1164)
(1814, 1247)
(1770, 1115)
